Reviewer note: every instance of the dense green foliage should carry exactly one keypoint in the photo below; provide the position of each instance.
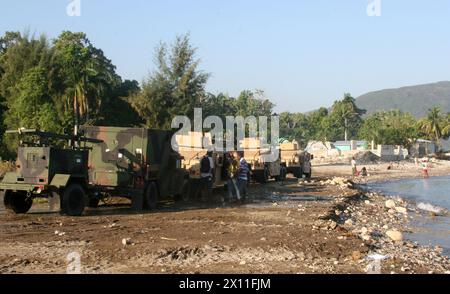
(53, 85)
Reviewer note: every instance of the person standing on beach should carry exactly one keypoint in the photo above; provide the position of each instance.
(206, 172)
(242, 174)
(354, 169)
(425, 169)
(232, 168)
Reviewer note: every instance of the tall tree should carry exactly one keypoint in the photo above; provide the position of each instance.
(175, 88)
(88, 75)
(33, 107)
(347, 114)
(20, 55)
(434, 124)
(390, 128)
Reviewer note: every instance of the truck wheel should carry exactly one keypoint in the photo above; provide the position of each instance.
(308, 175)
(17, 202)
(151, 196)
(73, 200)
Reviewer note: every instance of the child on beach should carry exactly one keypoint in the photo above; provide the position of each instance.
(425, 168)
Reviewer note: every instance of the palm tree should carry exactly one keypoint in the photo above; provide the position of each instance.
(446, 127)
(347, 110)
(432, 125)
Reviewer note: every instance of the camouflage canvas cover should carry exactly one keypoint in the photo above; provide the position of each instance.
(126, 154)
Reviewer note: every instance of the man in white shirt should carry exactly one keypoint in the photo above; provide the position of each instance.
(354, 169)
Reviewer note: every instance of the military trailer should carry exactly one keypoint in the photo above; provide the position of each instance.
(191, 150)
(47, 168)
(263, 163)
(138, 164)
(296, 161)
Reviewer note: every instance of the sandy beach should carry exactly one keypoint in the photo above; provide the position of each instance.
(327, 225)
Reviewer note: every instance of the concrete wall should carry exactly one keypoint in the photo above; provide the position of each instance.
(390, 152)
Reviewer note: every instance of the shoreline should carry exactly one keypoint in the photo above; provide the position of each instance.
(398, 212)
(382, 228)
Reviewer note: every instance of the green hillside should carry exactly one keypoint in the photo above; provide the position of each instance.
(414, 99)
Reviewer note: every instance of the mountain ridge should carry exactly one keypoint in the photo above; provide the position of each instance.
(416, 99)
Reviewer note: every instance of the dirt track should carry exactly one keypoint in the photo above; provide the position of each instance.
(279, 230)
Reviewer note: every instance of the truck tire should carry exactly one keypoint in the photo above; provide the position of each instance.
(17, 202)
(308, 175)
(73, 200)
(151, 196)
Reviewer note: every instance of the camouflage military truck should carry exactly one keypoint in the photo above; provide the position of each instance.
(264, 164)
(135, 163)
(47, 168)
(296, 161)
(191, 149)
(138, 164)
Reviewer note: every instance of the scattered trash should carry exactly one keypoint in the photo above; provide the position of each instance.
(168, 239)
(58, 233)
(127, 241)
(395, 235)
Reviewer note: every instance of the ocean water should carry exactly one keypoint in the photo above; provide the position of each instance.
(429, 195)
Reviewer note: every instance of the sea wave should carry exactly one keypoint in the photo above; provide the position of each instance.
(432, 208)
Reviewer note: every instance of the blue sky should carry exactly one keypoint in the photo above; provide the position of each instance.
(303, 54)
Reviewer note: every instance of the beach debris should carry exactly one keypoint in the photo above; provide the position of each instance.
(356, 255)
(390, 204)
(332, 225)
(348, 222)
(365, 237)
(395, 235)
(58, 233)
(172, 239)
(400, 209)
(338, 181)
(127, 241)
